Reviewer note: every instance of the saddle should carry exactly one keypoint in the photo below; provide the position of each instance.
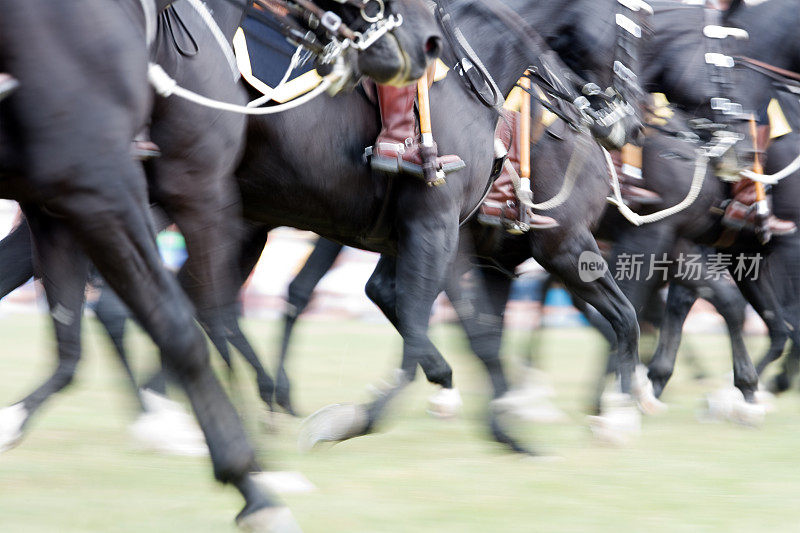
(264, 56)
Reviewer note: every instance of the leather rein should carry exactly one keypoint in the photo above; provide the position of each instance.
(776, 73)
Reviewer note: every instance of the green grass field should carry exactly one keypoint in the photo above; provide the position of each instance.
(77, 471)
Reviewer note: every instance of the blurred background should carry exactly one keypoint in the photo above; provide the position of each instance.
(421, 474)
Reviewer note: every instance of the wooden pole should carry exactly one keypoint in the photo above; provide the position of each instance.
(757, 167)
(424, 110)
(525, 129)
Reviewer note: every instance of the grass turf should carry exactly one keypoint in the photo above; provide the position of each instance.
(77, 470)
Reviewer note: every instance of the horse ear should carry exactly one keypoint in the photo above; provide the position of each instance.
(733, 8)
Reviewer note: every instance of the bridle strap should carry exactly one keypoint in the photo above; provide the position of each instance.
(782, 72)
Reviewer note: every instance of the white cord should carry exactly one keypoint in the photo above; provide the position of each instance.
(269, 95)
(570, 178)
(223, 42)
(166, 87)
(772, 179)
(700, 169)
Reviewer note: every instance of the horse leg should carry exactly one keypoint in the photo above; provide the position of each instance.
(16, 266)
(761, 295)
(481, 315)
(604, 327)
(765, 304)
(381, 289)
(300, 289)
(64, 269)
(789, 369)
(193, 182)
(679, 302)
(205, 276)
(122, 229)
(480, 309)
(534, 339)
(605, 296)
(113, 315)
(427, 240)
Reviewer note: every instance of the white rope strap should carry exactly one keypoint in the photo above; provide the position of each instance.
(700, 169)
(574, 168)
(269, 95)
(166, 87)
(772, 179)
(209, 21)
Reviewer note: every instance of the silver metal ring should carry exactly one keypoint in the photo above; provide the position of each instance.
(376, 17)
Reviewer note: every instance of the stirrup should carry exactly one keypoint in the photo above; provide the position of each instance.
(398, 165)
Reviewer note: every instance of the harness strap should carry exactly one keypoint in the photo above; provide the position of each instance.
(763, 66)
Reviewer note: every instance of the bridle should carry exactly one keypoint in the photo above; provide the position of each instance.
(323, 33)
(612, 104)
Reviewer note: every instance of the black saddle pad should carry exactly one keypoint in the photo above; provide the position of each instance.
(270, 53)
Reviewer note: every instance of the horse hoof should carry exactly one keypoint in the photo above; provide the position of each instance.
(765, 398)
(530, 404)
(268, 520)
(283, 482)
(779, 384)
(445, 404)
(729, 404)
(718, 405)
(12, 419)
(285, 403)
(619, 420)
(748, 414)
(166, 427)
(333, 423)
(645, 394)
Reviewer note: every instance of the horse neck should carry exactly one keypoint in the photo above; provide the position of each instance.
(504, 57)
(228, 14)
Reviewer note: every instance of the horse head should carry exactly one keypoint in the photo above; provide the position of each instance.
(396, 40)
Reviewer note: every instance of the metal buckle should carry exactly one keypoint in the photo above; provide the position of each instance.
(726, 106)
(637, 5)
(376, 31)
(331, 21)
(721, 32)
(628, 25)
(373, 18)
(624, 73)
(719, 60)
(591, 89)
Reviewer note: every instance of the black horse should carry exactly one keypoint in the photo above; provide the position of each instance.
(770, 29)
(668, 161)
(66, 158)
(309, 187)
(192, 179)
